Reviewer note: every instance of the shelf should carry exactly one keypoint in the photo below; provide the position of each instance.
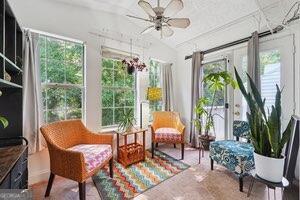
(12, 66)
(7, 84)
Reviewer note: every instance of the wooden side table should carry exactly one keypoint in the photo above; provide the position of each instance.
(283, 184)
(130, 153)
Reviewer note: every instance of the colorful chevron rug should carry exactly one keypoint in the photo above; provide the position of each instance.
(137, 178)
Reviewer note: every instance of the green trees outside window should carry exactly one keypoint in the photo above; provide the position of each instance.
(154, 81)
(118, 92)
(62, 65)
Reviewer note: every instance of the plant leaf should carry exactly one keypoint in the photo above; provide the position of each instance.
(4, 121)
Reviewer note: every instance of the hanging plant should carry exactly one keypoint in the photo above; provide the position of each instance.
(134, 64)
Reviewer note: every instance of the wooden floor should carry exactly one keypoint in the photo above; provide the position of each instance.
(198, 182)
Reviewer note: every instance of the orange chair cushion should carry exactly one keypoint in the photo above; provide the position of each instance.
(94, 154)
(167, 134)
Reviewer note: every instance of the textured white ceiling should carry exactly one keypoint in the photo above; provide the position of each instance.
(205, 15)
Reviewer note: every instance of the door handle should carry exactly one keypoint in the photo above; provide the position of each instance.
(237, 113)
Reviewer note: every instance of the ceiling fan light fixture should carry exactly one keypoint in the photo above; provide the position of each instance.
(161, 17)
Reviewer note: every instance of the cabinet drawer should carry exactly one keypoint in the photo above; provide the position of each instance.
(6, 183)
(18, 172)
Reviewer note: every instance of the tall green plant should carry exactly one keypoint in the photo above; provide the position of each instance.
(216, 82)
(265, 130)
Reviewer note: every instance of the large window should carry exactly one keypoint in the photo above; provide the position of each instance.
(154, 81)
(62, 66)
(118, 91)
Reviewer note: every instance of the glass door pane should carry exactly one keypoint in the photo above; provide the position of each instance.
(218, 110)
(276, 67)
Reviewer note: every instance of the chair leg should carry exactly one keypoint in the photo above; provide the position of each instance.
(241, 183)
(152, 149)
(111, 168)
(81, 190)
(182, 151)
(175, 146)
(211, 164)
(49, 186)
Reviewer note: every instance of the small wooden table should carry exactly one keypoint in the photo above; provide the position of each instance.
(130, 153)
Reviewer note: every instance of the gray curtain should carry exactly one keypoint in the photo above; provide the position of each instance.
(167, 87)
(197, 73)
(253, 60)
(32, 95)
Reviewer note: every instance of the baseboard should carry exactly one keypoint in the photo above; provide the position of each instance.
(38, 176)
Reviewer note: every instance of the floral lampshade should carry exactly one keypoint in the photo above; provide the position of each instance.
(154, 94)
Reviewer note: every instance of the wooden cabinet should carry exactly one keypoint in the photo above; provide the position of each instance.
(13, 165)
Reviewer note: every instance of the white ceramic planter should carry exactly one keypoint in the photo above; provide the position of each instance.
(270, 169)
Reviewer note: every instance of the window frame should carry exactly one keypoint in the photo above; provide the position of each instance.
(65, 85)
(134, 88)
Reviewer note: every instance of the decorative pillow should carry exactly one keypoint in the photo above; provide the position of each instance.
(94, 154)
(167, 134)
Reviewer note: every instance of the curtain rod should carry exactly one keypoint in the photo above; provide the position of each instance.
(230, 44)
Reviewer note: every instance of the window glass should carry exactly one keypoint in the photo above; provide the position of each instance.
(154, 81)
(118, 91)
(62, 68)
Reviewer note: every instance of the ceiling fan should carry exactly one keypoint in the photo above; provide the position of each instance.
(161, 17)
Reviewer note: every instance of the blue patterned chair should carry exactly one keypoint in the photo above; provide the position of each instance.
(235, 155)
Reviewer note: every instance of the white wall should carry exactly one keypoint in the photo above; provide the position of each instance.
(75, 22)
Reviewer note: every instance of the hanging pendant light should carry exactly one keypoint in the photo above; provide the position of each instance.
(134, 63)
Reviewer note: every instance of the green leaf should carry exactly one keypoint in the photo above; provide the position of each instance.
(4, 121)
(257, 96)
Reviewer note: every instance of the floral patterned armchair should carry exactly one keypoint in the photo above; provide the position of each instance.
(236, 156)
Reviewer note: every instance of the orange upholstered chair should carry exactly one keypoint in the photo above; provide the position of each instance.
(75, 152)
(167, 128)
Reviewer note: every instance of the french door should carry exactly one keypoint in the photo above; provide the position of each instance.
(219, 110)
(276, 63)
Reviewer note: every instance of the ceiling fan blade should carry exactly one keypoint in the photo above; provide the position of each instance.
(173, 7)
(147, 30)
(166, 31)
(179, 22)
(135, 17)
(147, 8)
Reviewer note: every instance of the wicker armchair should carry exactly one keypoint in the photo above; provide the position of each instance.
(167, 128)
(75, 152)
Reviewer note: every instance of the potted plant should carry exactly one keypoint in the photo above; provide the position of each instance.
(3, 120)
(265, 132)
(205, 118)
(127, 121)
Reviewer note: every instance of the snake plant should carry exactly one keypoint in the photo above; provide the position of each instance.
(265, 128)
